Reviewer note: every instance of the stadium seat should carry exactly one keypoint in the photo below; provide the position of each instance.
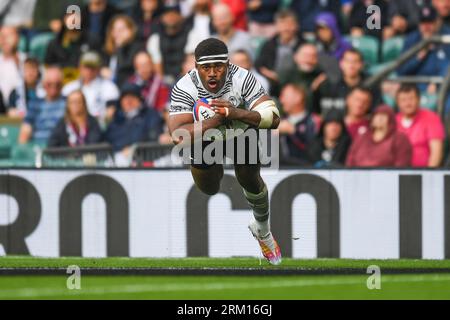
(389, 100)
(5, 151)
(429, 101)
(392, 49)
(23, 44)
(6, 163)
(368, 46)
(8, 138)
(375, 68)
(25, 155)
(285, 3)
(38, 45)
(70, 74)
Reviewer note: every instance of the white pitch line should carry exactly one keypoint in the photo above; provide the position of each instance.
(48, 292)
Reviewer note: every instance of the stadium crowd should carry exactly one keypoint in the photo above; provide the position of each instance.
(110, 80)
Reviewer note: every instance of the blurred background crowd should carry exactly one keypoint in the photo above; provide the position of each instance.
(109, 82)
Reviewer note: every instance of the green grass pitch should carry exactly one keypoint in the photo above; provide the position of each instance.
(402, 286)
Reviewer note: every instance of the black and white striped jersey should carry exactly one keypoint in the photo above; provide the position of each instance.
(241, 89)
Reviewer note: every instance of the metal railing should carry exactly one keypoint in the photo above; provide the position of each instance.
(153, 154)
(94, 155)
(392, 66)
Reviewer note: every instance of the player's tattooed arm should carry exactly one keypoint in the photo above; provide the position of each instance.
(183, 129)
(252, 118)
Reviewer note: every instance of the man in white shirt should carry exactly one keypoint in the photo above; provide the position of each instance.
(201, 25)
(243, 59)
(18, 13)
(101, 94)
(235, 40)
(11, 61)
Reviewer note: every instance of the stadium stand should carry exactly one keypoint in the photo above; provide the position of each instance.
(392, 48)
(383, 54)
(368, 46)
(38, 45)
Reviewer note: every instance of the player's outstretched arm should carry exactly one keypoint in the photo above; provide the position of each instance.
(183, 129)
(264, 113)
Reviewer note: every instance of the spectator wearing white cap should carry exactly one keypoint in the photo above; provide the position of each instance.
(101, 94)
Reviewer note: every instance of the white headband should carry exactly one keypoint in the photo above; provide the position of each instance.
(217, 58)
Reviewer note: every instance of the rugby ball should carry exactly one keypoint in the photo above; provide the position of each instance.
(202, 110)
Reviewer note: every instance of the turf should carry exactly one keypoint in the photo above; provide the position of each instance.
(323, 287)
(408, 286)
(15, 262)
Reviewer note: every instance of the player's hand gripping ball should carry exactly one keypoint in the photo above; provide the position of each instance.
(202, 110)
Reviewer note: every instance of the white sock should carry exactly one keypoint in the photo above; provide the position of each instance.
(263, 227)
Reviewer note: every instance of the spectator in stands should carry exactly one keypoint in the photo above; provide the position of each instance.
(95, 16)
(77, 127)
(359, 18)
(330, 40)
(261, 14)
(331, 94)
(68, 46)
(124, 5)
(47, 15)
(308, 10)
(238, 9)
(30, 89)
(431, 61)
(100, 94)
(423, 127)
(44, 114)
(16, 13)
(330, 147)
(200, 23)
(443, 9)
(133, 123)
(358, 104)
(11, 61)
(146, 14)
(223, 23)
(298, 128)
(276, 56)
(153, 90)
(121, 47)
(382, 145)
(403, 17)
(243, 59)
(307, 72)
(166, 47)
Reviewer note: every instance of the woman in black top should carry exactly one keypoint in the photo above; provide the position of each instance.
(121, 47)
(146, 15)
(68, 46)
(330, 147)
(77, 127)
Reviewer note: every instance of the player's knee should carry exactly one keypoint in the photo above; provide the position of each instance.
(210, 190)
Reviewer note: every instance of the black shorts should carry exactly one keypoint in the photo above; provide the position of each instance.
(243, 150)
